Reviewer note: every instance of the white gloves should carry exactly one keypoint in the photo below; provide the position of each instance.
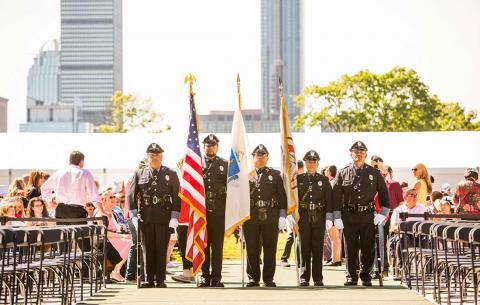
(282, 223)
(338, 223)
(291, 222)
(328, 224)
(173, 223)
(379, 219)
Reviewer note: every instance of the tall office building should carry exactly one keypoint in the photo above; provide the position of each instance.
(3, 114)
(44, 75)
(91, 56)
(282, 54)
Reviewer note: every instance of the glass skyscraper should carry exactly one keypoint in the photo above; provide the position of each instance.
(282, 54)
(91, 56)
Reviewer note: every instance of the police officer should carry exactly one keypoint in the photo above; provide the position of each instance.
(315, 200)
(268, 209)
(215, 183)
(354, 190)
(154, 191)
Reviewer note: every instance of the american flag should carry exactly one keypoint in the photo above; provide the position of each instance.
(192, 193)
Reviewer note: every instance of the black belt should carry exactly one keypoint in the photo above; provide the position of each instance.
(265, 203)
(354, 208)
(72, 205)
(215, 195)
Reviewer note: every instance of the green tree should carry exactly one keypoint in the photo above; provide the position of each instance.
(395, 101)
(133, 113)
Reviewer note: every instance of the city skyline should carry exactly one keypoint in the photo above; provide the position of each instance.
(439, 40)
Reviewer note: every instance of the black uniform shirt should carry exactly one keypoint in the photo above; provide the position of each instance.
(358, 186)
(215, 183)
(314, 189)
(157, 191)
(268, 188)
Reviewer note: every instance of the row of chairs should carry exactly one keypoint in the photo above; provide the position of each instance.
(440, 258)
(52, 264)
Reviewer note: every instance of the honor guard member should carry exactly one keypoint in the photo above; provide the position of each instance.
(268, 209)
(315, 200)
(354, 190)
(155, 192)
(215, 183)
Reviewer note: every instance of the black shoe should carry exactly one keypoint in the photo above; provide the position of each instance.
(161, 285)
(217, 284)
(334, 264)
(253, 284)
(350, 282)
(204, 283)
(304, 283)
(147, 285)
(367, 283)
(269, 284)
(318, 284)
(376, 275)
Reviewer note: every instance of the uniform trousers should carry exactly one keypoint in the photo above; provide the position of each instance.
(359, 234)
(214, 249)
(312, 241)
(155, 238)
(254, 235)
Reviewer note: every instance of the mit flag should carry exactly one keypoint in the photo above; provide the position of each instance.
(237, 209)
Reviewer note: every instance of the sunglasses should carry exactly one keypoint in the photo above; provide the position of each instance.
(38, 206)
(412, 195)
(414, 169)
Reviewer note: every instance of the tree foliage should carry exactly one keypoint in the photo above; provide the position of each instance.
(395, 101)
(132, 113)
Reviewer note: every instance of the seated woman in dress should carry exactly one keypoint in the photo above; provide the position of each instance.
(119, 243)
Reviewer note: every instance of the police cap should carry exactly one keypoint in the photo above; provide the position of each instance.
(311, 155)
(260, 150)
(154, 148)
(211, 139)
(359, 145)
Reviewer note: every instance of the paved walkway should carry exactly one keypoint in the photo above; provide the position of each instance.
(286, 293)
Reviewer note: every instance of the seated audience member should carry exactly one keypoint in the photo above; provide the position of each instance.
(119, 243)
(7, 209)
(467, 195)
(19, 207)
(410, 206)
(35, 181)
(37, 209)
(90, 208)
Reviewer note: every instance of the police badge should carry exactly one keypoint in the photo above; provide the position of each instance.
(167, 177)
(221, 168)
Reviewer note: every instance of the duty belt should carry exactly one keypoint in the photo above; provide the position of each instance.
(265, 203)
(214, 195)
(311, 206)
(165, 200)
(354, 208)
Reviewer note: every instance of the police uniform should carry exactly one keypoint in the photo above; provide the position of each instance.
(268, 202)
(155, 193)
(315, 200)
(353, 194)
(215, 183)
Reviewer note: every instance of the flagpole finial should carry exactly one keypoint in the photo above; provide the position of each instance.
(238, 92)
(280, 86)
(190, 78)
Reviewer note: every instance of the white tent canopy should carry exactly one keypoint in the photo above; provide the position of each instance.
(120, 151)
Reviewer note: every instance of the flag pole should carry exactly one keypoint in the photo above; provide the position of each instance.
(242, 238)
(190, 79)
(295, 231)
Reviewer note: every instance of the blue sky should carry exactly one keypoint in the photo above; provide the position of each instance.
(215, 39)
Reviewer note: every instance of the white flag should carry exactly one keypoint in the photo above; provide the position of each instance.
(237, 209)
(289, 163)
